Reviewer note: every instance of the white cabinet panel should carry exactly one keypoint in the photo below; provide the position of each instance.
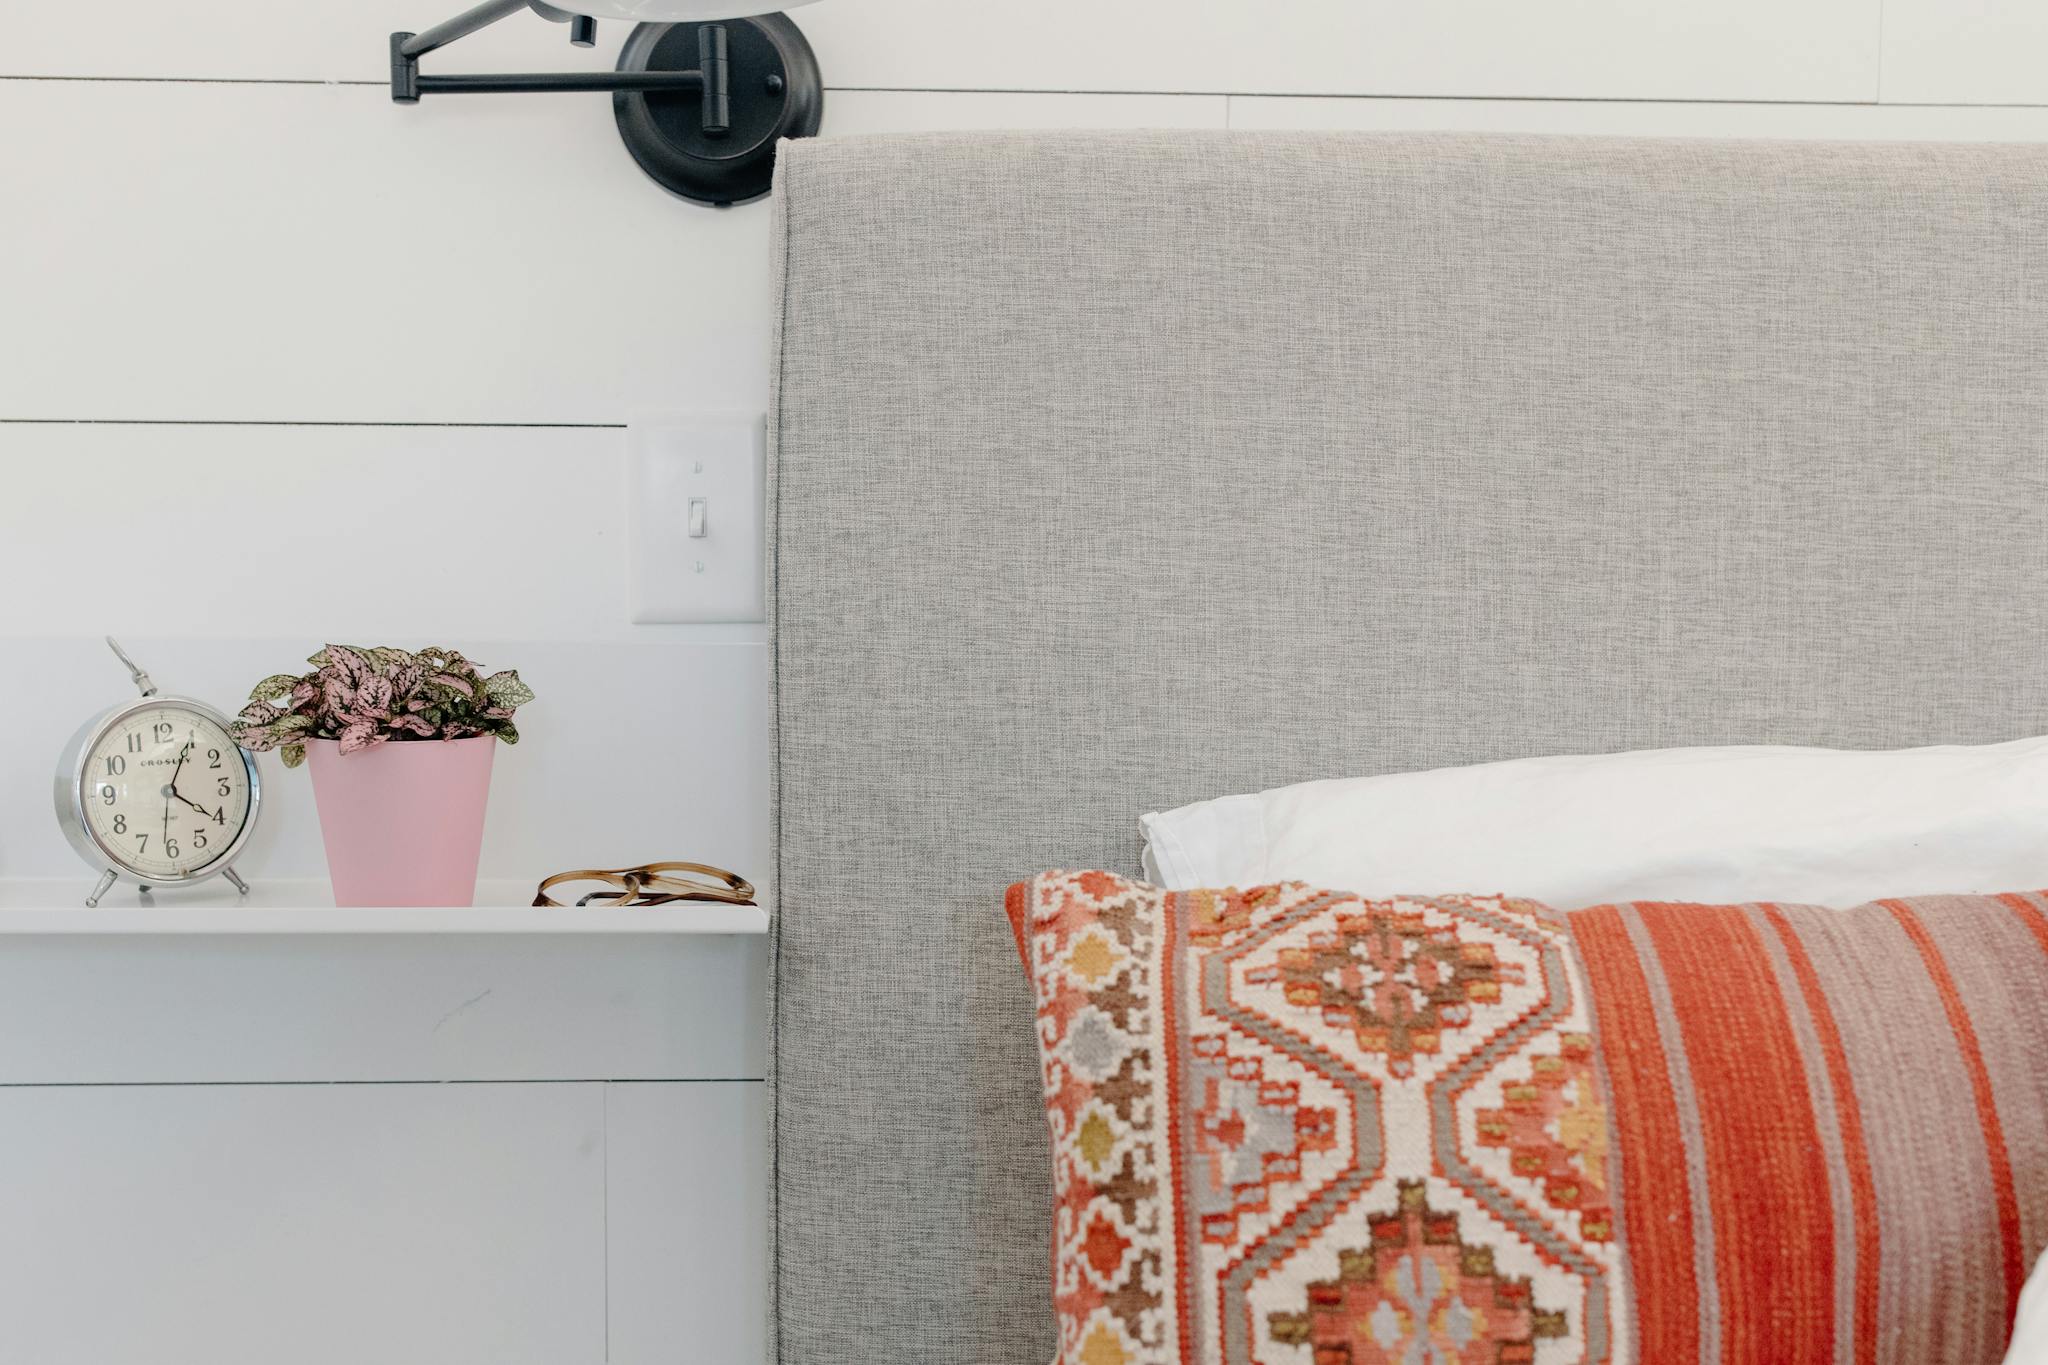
(1966, 51)
(458, 1225)
(392, 1008)
(298, 253)
(688, 1223)
(1736, 49)
(1626, 119)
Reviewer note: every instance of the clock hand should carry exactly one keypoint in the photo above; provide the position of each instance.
(186, 799)
(171, 790)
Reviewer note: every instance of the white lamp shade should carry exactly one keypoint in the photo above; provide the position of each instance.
(674, 11)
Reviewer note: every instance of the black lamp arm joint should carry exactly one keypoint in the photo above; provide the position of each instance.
(712, 78)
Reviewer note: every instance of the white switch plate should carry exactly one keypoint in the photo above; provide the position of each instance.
(676, 459)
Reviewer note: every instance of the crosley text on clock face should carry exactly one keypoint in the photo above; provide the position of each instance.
(166, 792)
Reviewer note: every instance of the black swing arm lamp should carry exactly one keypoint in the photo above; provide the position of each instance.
(702, 92)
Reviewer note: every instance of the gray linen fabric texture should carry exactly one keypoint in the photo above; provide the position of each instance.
(1116, 471)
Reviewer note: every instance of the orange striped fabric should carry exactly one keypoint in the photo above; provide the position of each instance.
(1844, 1184)
(1644, 1121)
(1860, 1321)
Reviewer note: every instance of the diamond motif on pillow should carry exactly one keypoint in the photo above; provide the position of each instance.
(1417, 1293)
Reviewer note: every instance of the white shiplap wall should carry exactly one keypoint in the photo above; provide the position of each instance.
(358, 350)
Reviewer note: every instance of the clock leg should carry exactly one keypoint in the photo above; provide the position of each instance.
(241, 887)
(106, 880)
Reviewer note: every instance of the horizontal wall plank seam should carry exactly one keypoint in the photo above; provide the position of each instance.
(1181, 94)
(1436, 98)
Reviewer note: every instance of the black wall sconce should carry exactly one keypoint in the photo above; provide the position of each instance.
(701, 93)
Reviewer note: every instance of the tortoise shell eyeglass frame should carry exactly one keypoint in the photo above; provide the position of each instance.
(651, 884)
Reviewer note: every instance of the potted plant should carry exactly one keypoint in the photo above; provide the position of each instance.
(401, 747)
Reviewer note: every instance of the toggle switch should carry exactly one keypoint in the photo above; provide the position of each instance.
(681, 567)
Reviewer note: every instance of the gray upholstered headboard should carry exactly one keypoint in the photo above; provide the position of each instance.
(1114, 472)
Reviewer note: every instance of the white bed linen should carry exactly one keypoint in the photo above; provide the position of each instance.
(1717, 825)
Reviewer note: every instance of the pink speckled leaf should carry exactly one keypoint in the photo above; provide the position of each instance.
(259, 713)
(354, 668)
(373, 698)
(358, 736)
(335, 692)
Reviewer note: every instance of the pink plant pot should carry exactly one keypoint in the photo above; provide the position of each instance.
(403, 820)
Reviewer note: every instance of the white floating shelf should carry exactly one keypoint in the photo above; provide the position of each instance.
(307, 907)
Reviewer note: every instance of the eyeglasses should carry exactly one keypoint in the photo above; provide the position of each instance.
(651, 884)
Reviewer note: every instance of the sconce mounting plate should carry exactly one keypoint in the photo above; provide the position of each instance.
(776, 92)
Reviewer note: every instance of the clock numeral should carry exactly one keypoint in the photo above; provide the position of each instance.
(120, 824)
(213, 758)
(116, 765)
(225, 789)
(163, 732)
(135, 742)
(142, 843)
(220, 817)
(199, 838)
(170, 848)
(107, 794)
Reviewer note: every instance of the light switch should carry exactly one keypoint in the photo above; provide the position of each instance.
(695, 505)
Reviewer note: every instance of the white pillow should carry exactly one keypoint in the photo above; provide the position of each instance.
(2030, 1326)
(1722, 826)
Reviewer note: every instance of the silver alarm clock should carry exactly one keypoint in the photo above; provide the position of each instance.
(157, 790)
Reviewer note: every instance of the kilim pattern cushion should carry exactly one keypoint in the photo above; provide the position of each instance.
(1295, 1127)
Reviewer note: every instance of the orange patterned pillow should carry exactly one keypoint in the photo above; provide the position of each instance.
(1295, 1127)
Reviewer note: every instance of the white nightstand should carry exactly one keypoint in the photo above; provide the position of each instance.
(220, 1121)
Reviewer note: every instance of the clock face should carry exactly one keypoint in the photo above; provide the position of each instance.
(166, 792)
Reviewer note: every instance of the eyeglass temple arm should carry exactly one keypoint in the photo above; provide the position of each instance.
(712, 77)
